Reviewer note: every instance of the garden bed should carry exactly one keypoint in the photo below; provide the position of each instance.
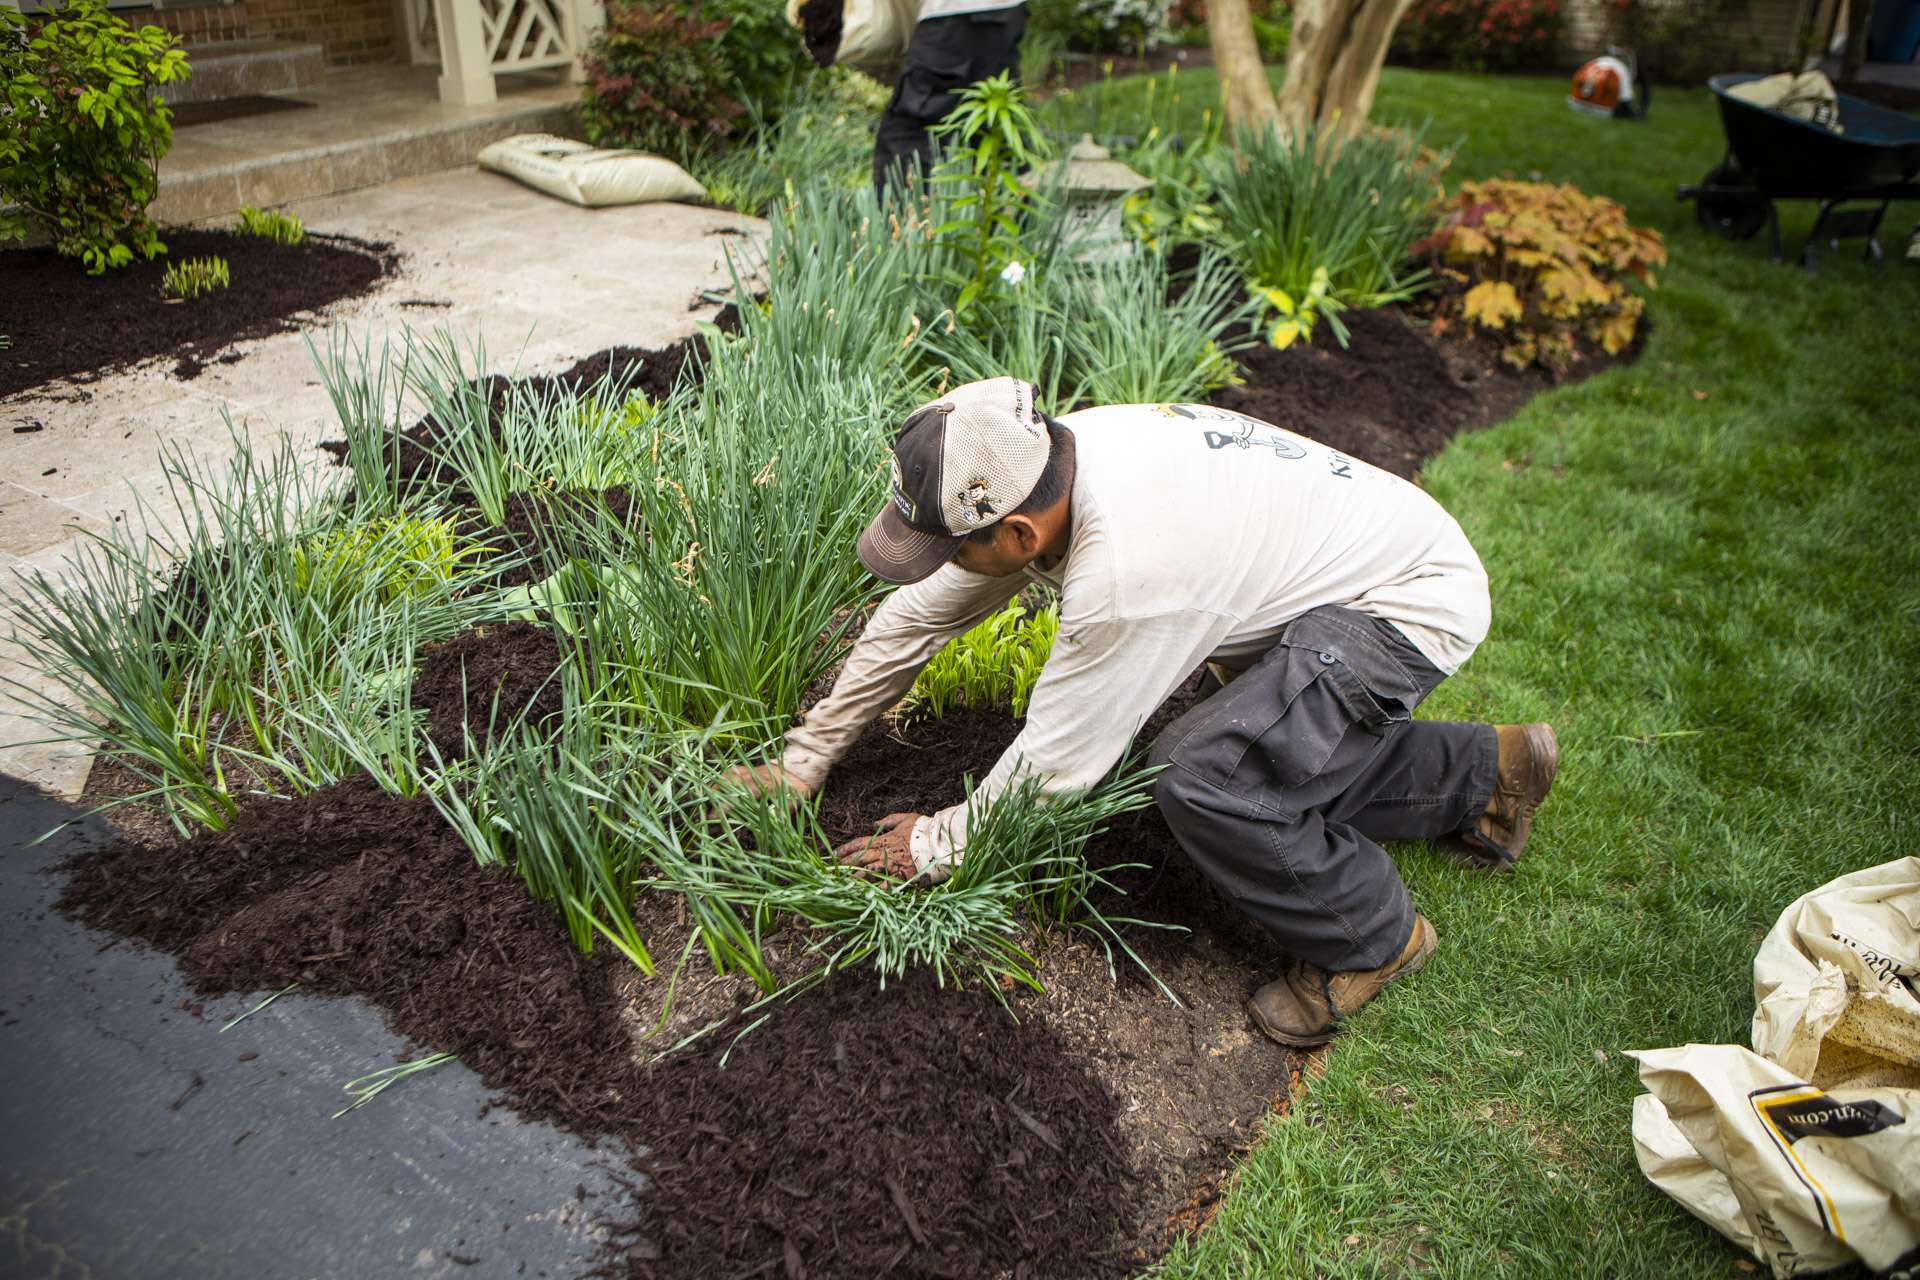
(64, 323)
(906, 1129)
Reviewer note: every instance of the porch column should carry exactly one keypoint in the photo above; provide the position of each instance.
(588, 17)
(466, 76)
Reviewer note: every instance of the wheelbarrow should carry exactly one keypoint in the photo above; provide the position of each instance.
(1772, 156)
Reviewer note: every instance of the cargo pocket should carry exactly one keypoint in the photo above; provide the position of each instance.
(930, 86)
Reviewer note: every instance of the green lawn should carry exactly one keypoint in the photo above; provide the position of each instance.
(1706, 574)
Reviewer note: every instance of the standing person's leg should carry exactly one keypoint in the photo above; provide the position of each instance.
(943, 58)
(1260, 785)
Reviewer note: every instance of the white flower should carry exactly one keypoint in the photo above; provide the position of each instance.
(1013, 273)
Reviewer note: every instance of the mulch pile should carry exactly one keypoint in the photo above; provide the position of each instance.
(64, 323)
(912, 1131)
(820, 24)
(482, 682)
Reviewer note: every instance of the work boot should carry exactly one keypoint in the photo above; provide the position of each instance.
(1529, 757)
(1302, 1006)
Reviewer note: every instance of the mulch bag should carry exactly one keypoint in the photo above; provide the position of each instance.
(870, 35)
(1808, 96)
(1805, 1150)
(588, 175)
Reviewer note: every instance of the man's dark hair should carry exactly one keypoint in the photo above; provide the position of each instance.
(1049, 488)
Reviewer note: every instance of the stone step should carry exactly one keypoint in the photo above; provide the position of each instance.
(341, 145)
(244, 68)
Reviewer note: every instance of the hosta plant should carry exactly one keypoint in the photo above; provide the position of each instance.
(1542, 268)
(993, 666)
(194, 277)
(281, 228)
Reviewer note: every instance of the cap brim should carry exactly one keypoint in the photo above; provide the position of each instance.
(895, 552)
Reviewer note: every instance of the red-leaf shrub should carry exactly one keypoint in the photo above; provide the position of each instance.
(656, 79)
(1479, 35)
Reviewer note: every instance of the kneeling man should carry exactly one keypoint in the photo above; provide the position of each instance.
(1330, 596)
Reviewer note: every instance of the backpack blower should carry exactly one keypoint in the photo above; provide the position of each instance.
(1610, 85)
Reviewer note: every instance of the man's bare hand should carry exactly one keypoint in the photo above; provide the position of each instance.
(768, 779)
(887, 852)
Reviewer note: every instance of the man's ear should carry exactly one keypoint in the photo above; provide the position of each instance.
(1026, 538)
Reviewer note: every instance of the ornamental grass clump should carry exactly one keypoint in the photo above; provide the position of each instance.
(733, 584)
(1022, 873)
(1541, 268)
(1296, 204)
(192, 677)
(195, 277)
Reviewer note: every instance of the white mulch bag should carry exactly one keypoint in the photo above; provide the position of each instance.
(1807, 1153)
(1808, 96)
(587, 175)
(873, 33)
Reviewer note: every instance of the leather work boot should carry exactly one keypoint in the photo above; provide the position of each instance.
(1529, 757)
(1302, 1006)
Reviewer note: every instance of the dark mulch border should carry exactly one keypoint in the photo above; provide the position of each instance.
(65, 324)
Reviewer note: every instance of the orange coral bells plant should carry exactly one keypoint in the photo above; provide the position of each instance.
(1543, 267)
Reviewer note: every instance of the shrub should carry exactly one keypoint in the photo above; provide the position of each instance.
(1295, 205)
(1118, 26)
(1480, 35)
(760, 51)
(194, 277)
(656, 79)
(1543, 267)
(82, 130)
(1678, 43)
(281, 228)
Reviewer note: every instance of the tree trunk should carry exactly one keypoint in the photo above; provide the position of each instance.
(1236, 60)
(1334, 60)
(1851, 58)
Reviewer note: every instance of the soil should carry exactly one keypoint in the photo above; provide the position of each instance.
(64, 323)
(482, 682)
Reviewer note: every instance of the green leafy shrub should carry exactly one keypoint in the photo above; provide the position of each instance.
(82, 130)
(1543, 267)
(194, 277)
(656, 79)
(992, 667)
(760, 51)
(281, 228)
(1295, 205)
(1118, 26)
(1480, 35)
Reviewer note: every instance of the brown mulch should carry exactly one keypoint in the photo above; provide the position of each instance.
(64, 323)
(820, 24)
(910, 1131)
(481, 682)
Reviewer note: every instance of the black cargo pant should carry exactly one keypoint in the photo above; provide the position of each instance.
(944, 57)
(1280, 785)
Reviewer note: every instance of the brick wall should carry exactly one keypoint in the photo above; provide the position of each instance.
(348, 31)
(1755, 35)
(195, 24)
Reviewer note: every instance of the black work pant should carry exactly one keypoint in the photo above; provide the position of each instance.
(944, 57)
(1279, 785)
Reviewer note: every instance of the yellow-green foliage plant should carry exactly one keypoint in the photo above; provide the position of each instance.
(1543, 267)
(401, 557)
(994, 666)
(281, 228)
(194, 277)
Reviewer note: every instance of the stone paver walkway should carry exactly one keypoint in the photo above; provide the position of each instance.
(540, 283)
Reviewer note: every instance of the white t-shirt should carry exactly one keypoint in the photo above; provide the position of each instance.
(948, 8)
(1197, 534)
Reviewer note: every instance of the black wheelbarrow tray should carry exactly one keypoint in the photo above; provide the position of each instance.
(1772, 156)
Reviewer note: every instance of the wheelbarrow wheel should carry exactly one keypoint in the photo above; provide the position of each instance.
(1734, 216)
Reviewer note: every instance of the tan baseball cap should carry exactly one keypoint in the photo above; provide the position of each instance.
(959, 464)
